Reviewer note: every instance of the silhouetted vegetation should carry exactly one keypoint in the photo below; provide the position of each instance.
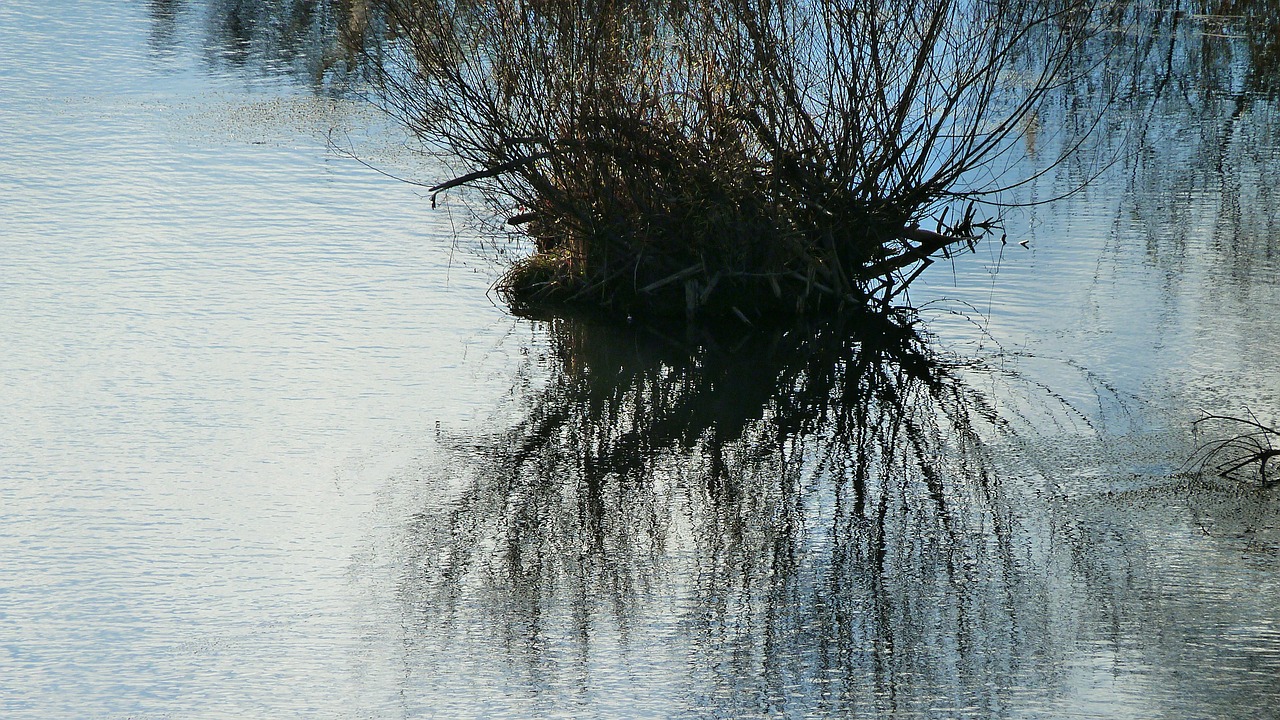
(1241, 448)
(327, 43)
(789, 173)
(732, 158)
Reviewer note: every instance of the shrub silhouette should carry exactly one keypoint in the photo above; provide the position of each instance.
(727, 158)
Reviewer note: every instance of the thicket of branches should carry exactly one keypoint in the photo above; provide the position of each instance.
(1239, 447)
(738, 157)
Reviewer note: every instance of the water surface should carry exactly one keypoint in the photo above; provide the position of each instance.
(269, 450)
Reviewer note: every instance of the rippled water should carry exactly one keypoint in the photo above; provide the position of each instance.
(268, 450)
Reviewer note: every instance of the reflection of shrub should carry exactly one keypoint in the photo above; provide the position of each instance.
(745, 432)
(805, 500)
(731, 158)
(1255, 25)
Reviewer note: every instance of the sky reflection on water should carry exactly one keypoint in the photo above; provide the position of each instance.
(268, 450)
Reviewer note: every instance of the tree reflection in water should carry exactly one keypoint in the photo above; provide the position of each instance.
(326, 43)
(811, 515)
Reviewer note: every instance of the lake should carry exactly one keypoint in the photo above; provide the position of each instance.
(269, 448)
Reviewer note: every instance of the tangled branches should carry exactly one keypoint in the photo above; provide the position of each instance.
(1251, 448)
(727, 158)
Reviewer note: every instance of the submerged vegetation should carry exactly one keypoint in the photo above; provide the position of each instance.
(729, 158)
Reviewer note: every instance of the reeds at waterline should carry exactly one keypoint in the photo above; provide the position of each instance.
(735, 158)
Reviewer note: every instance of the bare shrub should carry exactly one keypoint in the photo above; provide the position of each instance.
(727, 158)
(1240, 448)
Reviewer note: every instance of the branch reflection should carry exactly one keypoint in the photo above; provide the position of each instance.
(805, 518)
(326, 43)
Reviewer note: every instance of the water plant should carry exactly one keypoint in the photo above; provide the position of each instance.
(739, 158)
(1241, 447)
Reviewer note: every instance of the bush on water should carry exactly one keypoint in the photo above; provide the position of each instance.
(737, 158)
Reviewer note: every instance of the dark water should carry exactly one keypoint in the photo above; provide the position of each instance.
(268, 450)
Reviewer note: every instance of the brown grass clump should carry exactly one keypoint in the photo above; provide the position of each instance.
(726, 158)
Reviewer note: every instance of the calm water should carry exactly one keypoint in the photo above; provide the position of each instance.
(268, 450)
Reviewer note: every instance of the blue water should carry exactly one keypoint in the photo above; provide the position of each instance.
(257, 404)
